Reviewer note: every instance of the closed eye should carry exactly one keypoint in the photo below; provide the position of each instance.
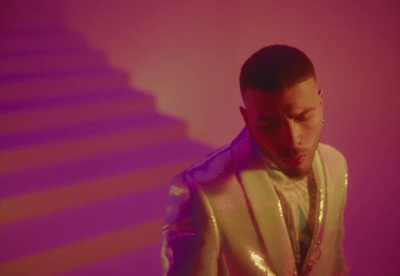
(305, 115)
(268, 123)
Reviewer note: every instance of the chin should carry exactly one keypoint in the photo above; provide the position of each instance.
(298, 172)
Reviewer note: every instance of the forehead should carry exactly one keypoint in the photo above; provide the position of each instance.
(291, 101)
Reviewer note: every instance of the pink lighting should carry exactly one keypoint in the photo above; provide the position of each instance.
(87, 149)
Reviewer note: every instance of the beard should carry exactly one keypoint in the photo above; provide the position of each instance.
(298, 173)
(292, 169)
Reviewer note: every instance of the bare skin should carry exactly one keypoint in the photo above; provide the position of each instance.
(286, 125)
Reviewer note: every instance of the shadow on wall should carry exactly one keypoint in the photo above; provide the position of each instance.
(85, 160)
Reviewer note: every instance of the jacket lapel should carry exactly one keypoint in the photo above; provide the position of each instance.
(314, 251)
(264, 205)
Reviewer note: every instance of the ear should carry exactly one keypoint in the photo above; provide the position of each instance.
(321, 95)
(243, 111)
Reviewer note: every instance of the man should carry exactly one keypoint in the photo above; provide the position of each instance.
(272, 202)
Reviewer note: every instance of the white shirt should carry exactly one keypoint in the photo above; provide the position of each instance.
(296, 197)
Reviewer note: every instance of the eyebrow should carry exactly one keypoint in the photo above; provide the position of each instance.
(265, 119)
(305, 111)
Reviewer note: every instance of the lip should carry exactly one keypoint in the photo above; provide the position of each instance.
(296, 160)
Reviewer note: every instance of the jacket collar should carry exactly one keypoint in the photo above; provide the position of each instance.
(264, 205)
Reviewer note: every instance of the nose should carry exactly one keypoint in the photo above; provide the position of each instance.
(290, 134)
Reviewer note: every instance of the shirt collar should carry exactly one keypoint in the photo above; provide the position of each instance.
(273, 171)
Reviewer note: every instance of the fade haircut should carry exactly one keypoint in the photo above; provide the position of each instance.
(275, 68)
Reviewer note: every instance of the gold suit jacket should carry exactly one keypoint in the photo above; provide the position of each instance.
(224, 217)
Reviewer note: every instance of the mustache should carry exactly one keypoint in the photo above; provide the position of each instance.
(292, 152)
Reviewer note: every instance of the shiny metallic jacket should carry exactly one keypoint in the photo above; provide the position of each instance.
(224, 217)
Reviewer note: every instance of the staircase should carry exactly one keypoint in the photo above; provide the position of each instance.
(85, 161)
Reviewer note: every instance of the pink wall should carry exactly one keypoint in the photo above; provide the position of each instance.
(188, 54)
(185, 52)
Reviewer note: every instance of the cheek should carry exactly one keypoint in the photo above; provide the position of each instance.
(266, 140)
(312, 135)
(311, 130)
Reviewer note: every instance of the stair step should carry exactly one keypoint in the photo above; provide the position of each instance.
(81, 130)
(87, 251)
(49, 62)
(77, 224)
(96, 167)
(145, 261)
(66, 115)
(85, 160)
(104, 127)
(9, 32)
(92, 145)
(87, 208)
(74, 98)
(40, 42)
(78, 84)
(28, 206)
(99, 70)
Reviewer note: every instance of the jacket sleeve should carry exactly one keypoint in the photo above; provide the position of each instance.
(190, 240)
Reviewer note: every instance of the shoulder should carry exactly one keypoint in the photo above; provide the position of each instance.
(331, 154)
(211, 168)
(333, 159)
(188, 188)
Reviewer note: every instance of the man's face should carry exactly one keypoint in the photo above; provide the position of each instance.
(286, 125)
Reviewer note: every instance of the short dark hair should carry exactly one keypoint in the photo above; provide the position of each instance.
(275, 68)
